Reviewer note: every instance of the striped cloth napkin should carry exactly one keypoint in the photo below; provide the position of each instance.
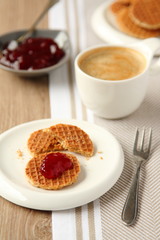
(101, 219)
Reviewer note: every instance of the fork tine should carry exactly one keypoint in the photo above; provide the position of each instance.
(150, 141)
(142, 150)
(142, 141)
(136, 141)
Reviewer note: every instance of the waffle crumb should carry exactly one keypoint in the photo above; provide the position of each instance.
(19, 153)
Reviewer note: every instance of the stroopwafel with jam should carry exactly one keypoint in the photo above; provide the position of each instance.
(52, 171)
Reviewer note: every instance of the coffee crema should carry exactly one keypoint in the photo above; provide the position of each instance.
(112, 63)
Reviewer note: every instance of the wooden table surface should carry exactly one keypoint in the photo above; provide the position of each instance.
(26, 99)
(22, 100)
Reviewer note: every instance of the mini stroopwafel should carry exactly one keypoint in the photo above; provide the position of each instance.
(73, 139)
(35, 177)
(117, 6)
(42, 141)
(127, 26)
(146, 13)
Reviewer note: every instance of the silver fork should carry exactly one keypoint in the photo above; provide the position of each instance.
(141, 154)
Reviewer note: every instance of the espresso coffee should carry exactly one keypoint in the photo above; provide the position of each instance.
(112, 63)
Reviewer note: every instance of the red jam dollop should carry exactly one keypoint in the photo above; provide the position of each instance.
(33, 53)
(54, 165)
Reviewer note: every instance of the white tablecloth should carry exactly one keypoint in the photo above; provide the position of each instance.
(101, 219)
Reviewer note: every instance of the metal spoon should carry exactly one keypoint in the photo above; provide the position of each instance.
(59, 36)
(14, 43)
(31, 29)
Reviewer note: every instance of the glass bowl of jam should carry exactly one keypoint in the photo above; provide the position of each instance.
(39, 54)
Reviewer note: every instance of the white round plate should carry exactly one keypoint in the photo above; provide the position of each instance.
(104, 25)
(98, 173)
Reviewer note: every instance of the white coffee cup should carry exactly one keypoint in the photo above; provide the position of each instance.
(119, 98)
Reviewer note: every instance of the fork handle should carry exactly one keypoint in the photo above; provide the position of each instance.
(130, 209)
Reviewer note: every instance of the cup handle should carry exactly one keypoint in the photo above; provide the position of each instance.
(155, 67)
(150, 43)
(153, 44)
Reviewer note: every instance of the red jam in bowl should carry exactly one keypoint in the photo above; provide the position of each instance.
(33, 53)
(54, 165)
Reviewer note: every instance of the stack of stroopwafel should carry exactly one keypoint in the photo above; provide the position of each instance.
(138, 18)
(59, 137)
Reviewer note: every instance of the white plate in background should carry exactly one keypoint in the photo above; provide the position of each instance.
(104, 25)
